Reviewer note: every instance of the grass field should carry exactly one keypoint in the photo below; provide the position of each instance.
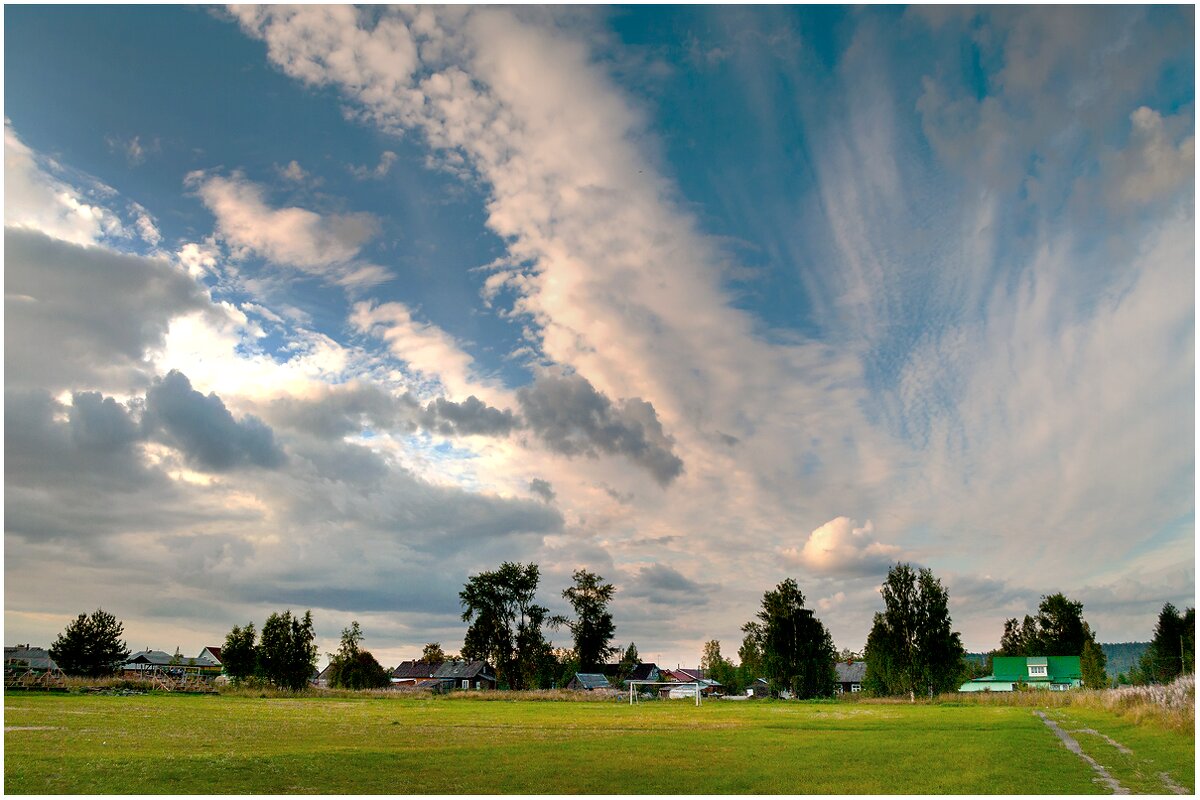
(222, 744)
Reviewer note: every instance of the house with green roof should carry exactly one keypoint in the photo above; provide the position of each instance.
(1043, 672)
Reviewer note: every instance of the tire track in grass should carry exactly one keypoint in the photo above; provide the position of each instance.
(1072, 745)
(1174, 787)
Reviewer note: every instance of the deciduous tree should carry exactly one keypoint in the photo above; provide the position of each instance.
(351, 667)
(239, 655)
(720, 669)
(911, 647)
(797, 649)
(287, 654)
(91, 646)
(506, 624)
(593, 627)
(433, 654)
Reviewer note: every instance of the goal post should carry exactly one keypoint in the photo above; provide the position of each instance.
(633, 693)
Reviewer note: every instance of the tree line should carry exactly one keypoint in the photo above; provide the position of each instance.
(911, 649)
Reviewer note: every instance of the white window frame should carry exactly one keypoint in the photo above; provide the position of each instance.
(1037, 670)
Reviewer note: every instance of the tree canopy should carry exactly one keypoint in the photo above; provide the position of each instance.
(1173, 649)
(287, 655)
(432, 653)
(1093, 664)
(506, 625)
(91, 646)
(797, 650)
(720, 669)
(352, 667)
(239, 655)
(1058, 629)
(593, 626)
(912, 647)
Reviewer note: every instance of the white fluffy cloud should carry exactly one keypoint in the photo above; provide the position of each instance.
(326, 245)
(34, 198)
(840, 547)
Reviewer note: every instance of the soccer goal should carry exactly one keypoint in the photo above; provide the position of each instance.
(633, 691)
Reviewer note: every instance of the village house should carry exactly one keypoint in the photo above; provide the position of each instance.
(212, 654)
(1056, 673)
(708, 687)
(410, 673)
(465, 675)
(145, 662)
(850, 676)
(588, 681)
(24, 658)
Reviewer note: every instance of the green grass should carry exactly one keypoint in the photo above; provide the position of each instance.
(214, 744)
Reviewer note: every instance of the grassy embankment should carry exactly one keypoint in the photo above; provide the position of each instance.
(231, 744)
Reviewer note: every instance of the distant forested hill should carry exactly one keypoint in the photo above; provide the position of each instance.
(1122, 656)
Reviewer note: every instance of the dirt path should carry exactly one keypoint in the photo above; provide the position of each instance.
(1072, 745)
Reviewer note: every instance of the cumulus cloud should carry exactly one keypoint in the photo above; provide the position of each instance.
(101, 423)
(36, 198)
(839, 546)
(205, 430)
(470, 417)
(86, 316)
(571, 417)
(326, 245)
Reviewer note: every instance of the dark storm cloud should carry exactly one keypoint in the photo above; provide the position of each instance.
(48, 444)
(470, 417)
(572, 418)
(344, 410)
(665, 585)
(75, 473)
(85, 316)
(204, 430)
(101, 423)
(542, 489)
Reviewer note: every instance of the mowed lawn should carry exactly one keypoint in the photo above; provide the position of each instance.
(213, 744)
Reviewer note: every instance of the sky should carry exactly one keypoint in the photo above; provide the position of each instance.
(331, 309)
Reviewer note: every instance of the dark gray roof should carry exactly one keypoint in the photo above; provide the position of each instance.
(851, 673)
(160, 658)
(32, 657)
(642, 672)
(464, 669)
(591, 680)
(415, 669)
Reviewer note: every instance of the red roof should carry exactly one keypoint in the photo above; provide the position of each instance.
(216, 651)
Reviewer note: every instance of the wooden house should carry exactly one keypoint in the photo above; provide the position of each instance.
(588, 681)
(850, 676)
(410, 673)
(466, 675)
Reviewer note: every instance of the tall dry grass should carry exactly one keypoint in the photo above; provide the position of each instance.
(1171, 706)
